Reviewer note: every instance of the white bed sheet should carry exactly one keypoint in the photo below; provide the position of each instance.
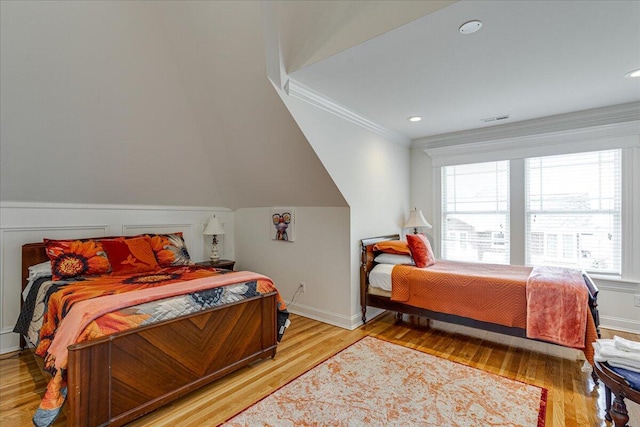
(380, 276)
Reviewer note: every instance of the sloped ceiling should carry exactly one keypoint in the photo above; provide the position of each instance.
(160, 103)
(311, 31)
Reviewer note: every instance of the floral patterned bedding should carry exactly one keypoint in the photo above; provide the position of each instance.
(50, 302)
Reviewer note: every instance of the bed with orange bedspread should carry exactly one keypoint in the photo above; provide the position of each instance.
(548, 304)
(120, 345)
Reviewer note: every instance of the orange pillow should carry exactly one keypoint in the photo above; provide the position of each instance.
(398, 247)
(421, 250)
(132, 255)
(71, 258)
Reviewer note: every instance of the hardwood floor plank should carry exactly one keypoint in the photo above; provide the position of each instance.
(573, 399)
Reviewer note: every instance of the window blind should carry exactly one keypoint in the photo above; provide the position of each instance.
(573, 211)
(475, 212)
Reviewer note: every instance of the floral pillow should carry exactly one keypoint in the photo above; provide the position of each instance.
(170, 249)
(130, 255)
(71, 258)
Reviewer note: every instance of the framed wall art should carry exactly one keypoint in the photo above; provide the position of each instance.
(283, 224)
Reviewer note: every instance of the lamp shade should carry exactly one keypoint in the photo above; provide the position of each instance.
(416, 219)
(213, 227)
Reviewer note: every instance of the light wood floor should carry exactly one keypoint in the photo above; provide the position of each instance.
(573, 400)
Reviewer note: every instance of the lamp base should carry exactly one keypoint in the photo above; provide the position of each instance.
(214, 250)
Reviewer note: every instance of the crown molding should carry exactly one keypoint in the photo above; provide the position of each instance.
(621, 113)
(306, 94)
(569, 141)
(84, 206)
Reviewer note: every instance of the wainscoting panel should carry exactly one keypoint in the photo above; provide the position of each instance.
(22, 223)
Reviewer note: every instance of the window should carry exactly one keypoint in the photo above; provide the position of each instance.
(475, 212)
(573, 202)
(552, 244)
(537, 243)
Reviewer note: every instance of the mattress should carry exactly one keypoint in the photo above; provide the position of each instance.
(380, 277)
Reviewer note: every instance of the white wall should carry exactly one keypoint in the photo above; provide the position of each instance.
(91, 112)
(422, 194)
(22, 223)
(319, 257)
(371, 172)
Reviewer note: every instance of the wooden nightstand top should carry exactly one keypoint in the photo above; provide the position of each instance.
(222, 263)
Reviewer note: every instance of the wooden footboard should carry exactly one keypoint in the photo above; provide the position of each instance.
(117, 378)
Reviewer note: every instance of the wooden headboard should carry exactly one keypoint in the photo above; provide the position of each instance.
(367, 251)
(32, 254)
(366, 262)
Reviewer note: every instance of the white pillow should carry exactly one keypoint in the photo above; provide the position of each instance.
(40, 270)
(35, 272)
(394, 259)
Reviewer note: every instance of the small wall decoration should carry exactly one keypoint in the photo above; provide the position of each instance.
(283, 224)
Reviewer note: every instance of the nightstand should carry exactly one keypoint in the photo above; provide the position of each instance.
(226, 264)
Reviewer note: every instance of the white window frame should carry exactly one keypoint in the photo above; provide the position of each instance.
(624, 136)
(565, 244)
(463, 236)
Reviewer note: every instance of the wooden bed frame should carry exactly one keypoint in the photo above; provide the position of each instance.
(115, 379)
(367, 299)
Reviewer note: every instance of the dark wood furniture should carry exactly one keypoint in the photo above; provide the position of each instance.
(227, 264)
(115, 379)
(385, 302)
(616, 411)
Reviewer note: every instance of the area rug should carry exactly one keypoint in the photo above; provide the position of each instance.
(377, 383)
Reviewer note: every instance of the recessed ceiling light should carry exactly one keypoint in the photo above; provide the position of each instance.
(470, 27)
(634, 73)
(414, 118)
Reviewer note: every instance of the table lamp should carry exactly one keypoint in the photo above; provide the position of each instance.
(214, 228)
(416, 219)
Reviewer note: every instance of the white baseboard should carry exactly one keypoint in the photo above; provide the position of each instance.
(619, 324)
(320, 315)
(9, 341)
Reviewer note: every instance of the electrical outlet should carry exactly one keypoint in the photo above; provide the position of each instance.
(637, 300)
(303, 287)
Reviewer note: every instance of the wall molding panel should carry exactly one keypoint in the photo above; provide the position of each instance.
(22, 222)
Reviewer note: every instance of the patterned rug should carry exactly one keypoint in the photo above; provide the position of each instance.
(377, 383)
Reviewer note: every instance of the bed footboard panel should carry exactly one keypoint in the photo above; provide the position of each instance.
(137, 371)
(88, 396)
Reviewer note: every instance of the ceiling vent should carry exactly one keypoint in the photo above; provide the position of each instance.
(495, 119)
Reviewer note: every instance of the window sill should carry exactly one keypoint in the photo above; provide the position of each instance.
(615, 283)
